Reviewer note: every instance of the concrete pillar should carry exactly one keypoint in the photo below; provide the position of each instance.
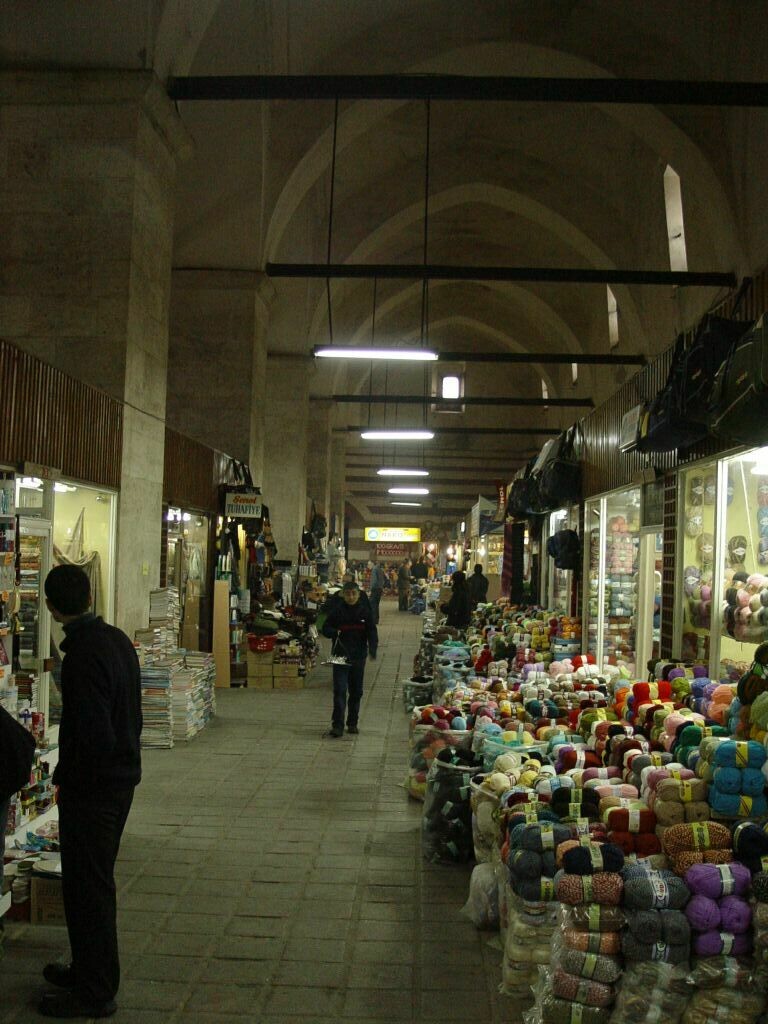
(338, 480)
(319, 435)
(217, 361)
(88, 162)
(285, 451)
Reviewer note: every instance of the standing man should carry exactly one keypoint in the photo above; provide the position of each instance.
(99, 767)
(403, 585)
(351, 627)
(420, 571)
(378, 583)
(478, 586)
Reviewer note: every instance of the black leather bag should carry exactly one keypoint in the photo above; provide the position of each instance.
(664, 427)
(523, 499)
(565, 547)
(740, 393)
(560, 476)
(17, 749)
(701, 360)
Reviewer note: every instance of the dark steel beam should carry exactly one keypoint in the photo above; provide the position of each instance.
(447, 272)
(547, 358)
(584, 403)
(488, 88)
(438, 431)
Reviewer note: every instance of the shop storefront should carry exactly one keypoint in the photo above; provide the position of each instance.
(557, 585)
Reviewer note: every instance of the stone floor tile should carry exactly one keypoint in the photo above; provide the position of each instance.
(312, 1002)
(319, 928)
(243, 947)
(224, 998)
(394, 976)
(164, 968)
(249, 973)
(153, 995)
(305, 973)
(382, 953)
(323, 951)
(374, 1004)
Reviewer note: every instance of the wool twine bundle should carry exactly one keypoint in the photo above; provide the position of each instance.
(590, 857)
(580, 990)
(656, 891)
(681, 862)
(535, 890)
(530, 865)
(715, 881)
(669, 813)
(684, 790)
(652, 777)
(665, 952)
(696, 837)
(713, 943)
(621, 819)
(601, 774)
(721, 972)
(592, 942)
(735, 914)
(616, 788)
(553, 1010)
(581, 796)
(615, 801)
(605, 888)
(669, 927)
(642, 868)
(749, 781)
(739, 754)
(643, 845)
(593, 917)
(594, 966)
(737, 805)
(542, 812)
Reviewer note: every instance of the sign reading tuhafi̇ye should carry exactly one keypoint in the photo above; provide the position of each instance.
(407, 534)
(242, 506)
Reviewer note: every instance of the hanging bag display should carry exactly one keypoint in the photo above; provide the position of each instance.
(740, 392)
(523, 497)
(560, 477)
(565, 548)
(713, 341)
(664, 428)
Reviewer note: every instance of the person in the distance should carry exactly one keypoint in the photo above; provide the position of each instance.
(478, 586)
(459, 608)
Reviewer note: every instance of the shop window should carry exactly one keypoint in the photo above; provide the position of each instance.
(673, 205)
(544, 390)
(450, 387)
(574, 374)
(613, 318)
(742, 544)
(450, 393)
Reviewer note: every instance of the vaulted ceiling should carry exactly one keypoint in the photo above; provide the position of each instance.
(518, 184)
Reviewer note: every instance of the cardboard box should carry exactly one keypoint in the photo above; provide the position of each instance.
(260, 682)
(260, 663)
(288, 682)
(285, 670)
(47, 901)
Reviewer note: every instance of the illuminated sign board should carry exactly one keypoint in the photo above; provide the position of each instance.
(407, 534)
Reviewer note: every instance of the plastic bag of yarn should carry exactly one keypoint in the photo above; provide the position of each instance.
(720, 972)
(656, 891)
(591, 917)
(586, 991)
(651, 993)
(605, 888)
(486, 827)
(482, 906)
(666, 952)
(735, 1006)
(551, 1009)
(417, 691)
(446, 824)
(595, 966)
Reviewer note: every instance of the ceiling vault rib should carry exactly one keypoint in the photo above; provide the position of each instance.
(465, 272)
(503, 400)
(478, 88)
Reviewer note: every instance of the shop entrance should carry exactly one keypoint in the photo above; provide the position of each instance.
(649, 598)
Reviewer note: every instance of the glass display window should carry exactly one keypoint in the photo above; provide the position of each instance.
(612, 527)
(696, 500)
(84, 535)
(556, 584)
(741, 567)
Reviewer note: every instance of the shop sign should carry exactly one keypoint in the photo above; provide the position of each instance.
(403, 534)
(39, 471)
(242, 505)
(501, 501)
(393, 550)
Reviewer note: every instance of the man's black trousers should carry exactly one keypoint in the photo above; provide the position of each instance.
(90, 828)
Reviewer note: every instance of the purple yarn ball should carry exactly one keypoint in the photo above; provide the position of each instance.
(703, 914)
(735, 914)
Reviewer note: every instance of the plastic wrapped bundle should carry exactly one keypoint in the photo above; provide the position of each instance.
(417, 691)
(597, 966)
(587, 992)
(486, 832)
(527, 945)
(668, 927)
(721, 972)
(697, 843)
(446, 824)
(664, 952)
(550, 1009)
(482, 906)
(737, 1006)
(651, 992)
(605, 888)
(580, 858)
(656, 891)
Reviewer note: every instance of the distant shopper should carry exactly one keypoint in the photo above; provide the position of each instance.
(458, 609)
(99, 767)
(378, 583)
(477, 586)
(403, 585)
(351, 627)
(420, 570)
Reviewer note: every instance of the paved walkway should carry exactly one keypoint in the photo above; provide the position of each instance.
(270, 875)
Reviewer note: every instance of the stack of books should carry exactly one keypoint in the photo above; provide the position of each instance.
(193, 698)
(157, 683)
(165, 615)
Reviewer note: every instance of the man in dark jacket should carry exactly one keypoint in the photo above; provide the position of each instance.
(403, 585)
(458, 609)
(351, 627)
(99, 767)
(478, 586)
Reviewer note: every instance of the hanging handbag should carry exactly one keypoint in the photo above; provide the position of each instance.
(714, 339)
(560, 477)
(740, 393)
(523, 497)
(565, 548)
(17, 750)
(664, 429)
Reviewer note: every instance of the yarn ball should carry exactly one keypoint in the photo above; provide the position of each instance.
(597, 966)
(636, 949)
(735, 914)
(593, 857)
(605, 888)
(590, 993)
(703, 913)
(656, 891)
(592, 942)
(621, 819)
(666, 926)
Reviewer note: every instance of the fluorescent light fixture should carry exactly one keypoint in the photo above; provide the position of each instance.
(408, 490)
(60, 488)
(402, 472)
(397, 435)
(419, 355)
(413, 504)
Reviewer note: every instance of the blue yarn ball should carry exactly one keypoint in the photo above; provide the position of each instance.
(459, 724)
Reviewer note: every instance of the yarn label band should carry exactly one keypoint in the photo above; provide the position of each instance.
(582, 828)
(593, 916)
(659, 891)
(596, 856)
(547, 836)
(657, 759)
(727, 940)
(587, 887)
(547, 889)
(727, 881)
(745, 806)
(742, 754)
(577, 1013)
(700, 836)
(659, 951)
(634, 821)
(582, 992)
(590, 965)
(686, 791)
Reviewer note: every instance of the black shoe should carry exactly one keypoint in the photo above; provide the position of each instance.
(336, 731)
(68, 1006)
(60, 975)
(353, 729)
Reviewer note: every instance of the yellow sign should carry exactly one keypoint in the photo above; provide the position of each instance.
(408, 534)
